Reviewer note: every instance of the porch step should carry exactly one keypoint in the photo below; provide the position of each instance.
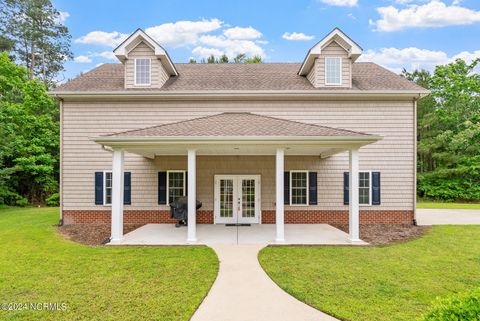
(238, 224)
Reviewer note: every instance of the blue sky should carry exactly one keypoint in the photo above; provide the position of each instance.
(393, 33)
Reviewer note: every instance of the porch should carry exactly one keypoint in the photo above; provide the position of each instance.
(215, 234)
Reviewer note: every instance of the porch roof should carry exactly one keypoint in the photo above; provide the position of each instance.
(235, 129)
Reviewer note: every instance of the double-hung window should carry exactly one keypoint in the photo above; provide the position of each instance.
(364, 188)
(299, 188)
(176, 185)
(142, 71)
(333, 71)
(107, 188)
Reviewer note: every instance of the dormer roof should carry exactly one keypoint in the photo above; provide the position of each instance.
(139, 36)
(351, 47)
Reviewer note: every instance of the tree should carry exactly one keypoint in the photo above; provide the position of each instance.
(254, 60)
(239, 59)
(41, 42)
(29, 128)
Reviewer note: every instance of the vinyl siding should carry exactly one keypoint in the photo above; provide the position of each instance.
(158, 74)
(318, 69)
(393, 156)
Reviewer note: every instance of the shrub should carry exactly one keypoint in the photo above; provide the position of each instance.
(22, 201)
(53, 200)
(461, 307)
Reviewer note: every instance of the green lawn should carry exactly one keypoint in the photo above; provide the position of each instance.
(97, 283)
(464, 206)
(396, 282)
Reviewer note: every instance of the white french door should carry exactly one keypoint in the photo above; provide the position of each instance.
(237, 199)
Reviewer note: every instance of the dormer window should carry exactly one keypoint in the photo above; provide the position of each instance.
(333, 71)
(142, 71)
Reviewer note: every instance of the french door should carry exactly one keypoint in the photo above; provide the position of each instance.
(237, 199)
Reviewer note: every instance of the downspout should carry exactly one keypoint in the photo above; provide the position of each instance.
(415, 161)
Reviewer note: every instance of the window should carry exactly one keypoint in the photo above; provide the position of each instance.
(364, 188)
(333, 71)
(107, 188)
(142, 71)
(298, 188)
(176, 185)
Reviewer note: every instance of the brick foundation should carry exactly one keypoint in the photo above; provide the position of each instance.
(268, 217)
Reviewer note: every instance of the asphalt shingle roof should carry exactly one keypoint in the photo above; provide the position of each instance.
(237, 124)
(263, 76)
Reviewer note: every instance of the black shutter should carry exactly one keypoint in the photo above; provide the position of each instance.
(346, 183)
(312, 188)
(162, 187)
(375, 188)
(127, 188)
(286, 188)
(186, 183)
(98, 188)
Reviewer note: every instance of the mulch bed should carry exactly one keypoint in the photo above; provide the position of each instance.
(91, 234)
(377, 234)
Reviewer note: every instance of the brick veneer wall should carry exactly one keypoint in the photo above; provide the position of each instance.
(268, 217)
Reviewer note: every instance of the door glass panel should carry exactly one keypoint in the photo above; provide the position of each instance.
(248, 198)
(226, 198)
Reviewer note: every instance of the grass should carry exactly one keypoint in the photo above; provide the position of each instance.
(463, 206)
(38, 265)
(396, 282)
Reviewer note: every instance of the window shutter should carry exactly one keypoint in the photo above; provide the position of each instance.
(375, 188)
(127, 188)
(346, 183)
(286, 188)
(186, 183)
(98, 188)
(162, 187)
(312, 188)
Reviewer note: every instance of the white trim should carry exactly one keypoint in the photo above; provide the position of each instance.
(340, 78)
(353, 208)
(306, 188)
(370, 189)
(168, 182)
(149, 72)
(105, 187)
(192, 196)
(279, 199)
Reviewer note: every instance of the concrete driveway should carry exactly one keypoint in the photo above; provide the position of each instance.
(427, 216)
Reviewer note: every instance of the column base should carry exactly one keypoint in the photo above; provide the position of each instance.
(280, 240)
(116, 241)
(355, 241)
(192, 241)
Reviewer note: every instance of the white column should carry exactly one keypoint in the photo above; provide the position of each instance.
(354, 219)
(279, 219)
(192, 197)
(117, 196)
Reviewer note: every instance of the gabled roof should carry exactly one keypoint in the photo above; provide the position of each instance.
(353, 49)
(139, 36)
(239, 125)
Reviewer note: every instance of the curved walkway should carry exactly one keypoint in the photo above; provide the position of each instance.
(244, 292)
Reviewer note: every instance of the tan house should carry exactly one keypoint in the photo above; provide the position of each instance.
(328, 140)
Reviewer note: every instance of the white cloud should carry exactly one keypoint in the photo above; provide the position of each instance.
(239, 33)
(207, 52)
(105, 54)
(232, 47)
(429, 15)
(83, 59)
(341, 3)
(413, 58)
(297, 36)
(109, 39)
(62, 16)
(182, 33)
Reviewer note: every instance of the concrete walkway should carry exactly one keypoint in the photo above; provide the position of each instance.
(427, 216)
(244, 292)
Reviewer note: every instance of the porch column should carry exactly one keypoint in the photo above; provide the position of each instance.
(353, 210)
(117, 196)
(279, 219)
(192, 197)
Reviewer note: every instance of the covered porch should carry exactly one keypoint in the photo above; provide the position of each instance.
(235, 134)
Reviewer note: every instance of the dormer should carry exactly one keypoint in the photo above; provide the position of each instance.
(329, 62)
(146, 63)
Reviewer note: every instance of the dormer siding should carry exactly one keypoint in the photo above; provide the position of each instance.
(317, 74)
(158, 75)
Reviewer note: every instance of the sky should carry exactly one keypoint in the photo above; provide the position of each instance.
(393, 33)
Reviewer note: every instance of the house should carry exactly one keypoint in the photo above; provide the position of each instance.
(328, 140)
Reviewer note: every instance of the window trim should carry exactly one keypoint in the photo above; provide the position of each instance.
(370, 190)
(149, 72)
(105, 188)
(306, 188)
(168, 183)
(340, 78)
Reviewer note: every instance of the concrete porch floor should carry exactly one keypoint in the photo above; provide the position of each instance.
(214, 234)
